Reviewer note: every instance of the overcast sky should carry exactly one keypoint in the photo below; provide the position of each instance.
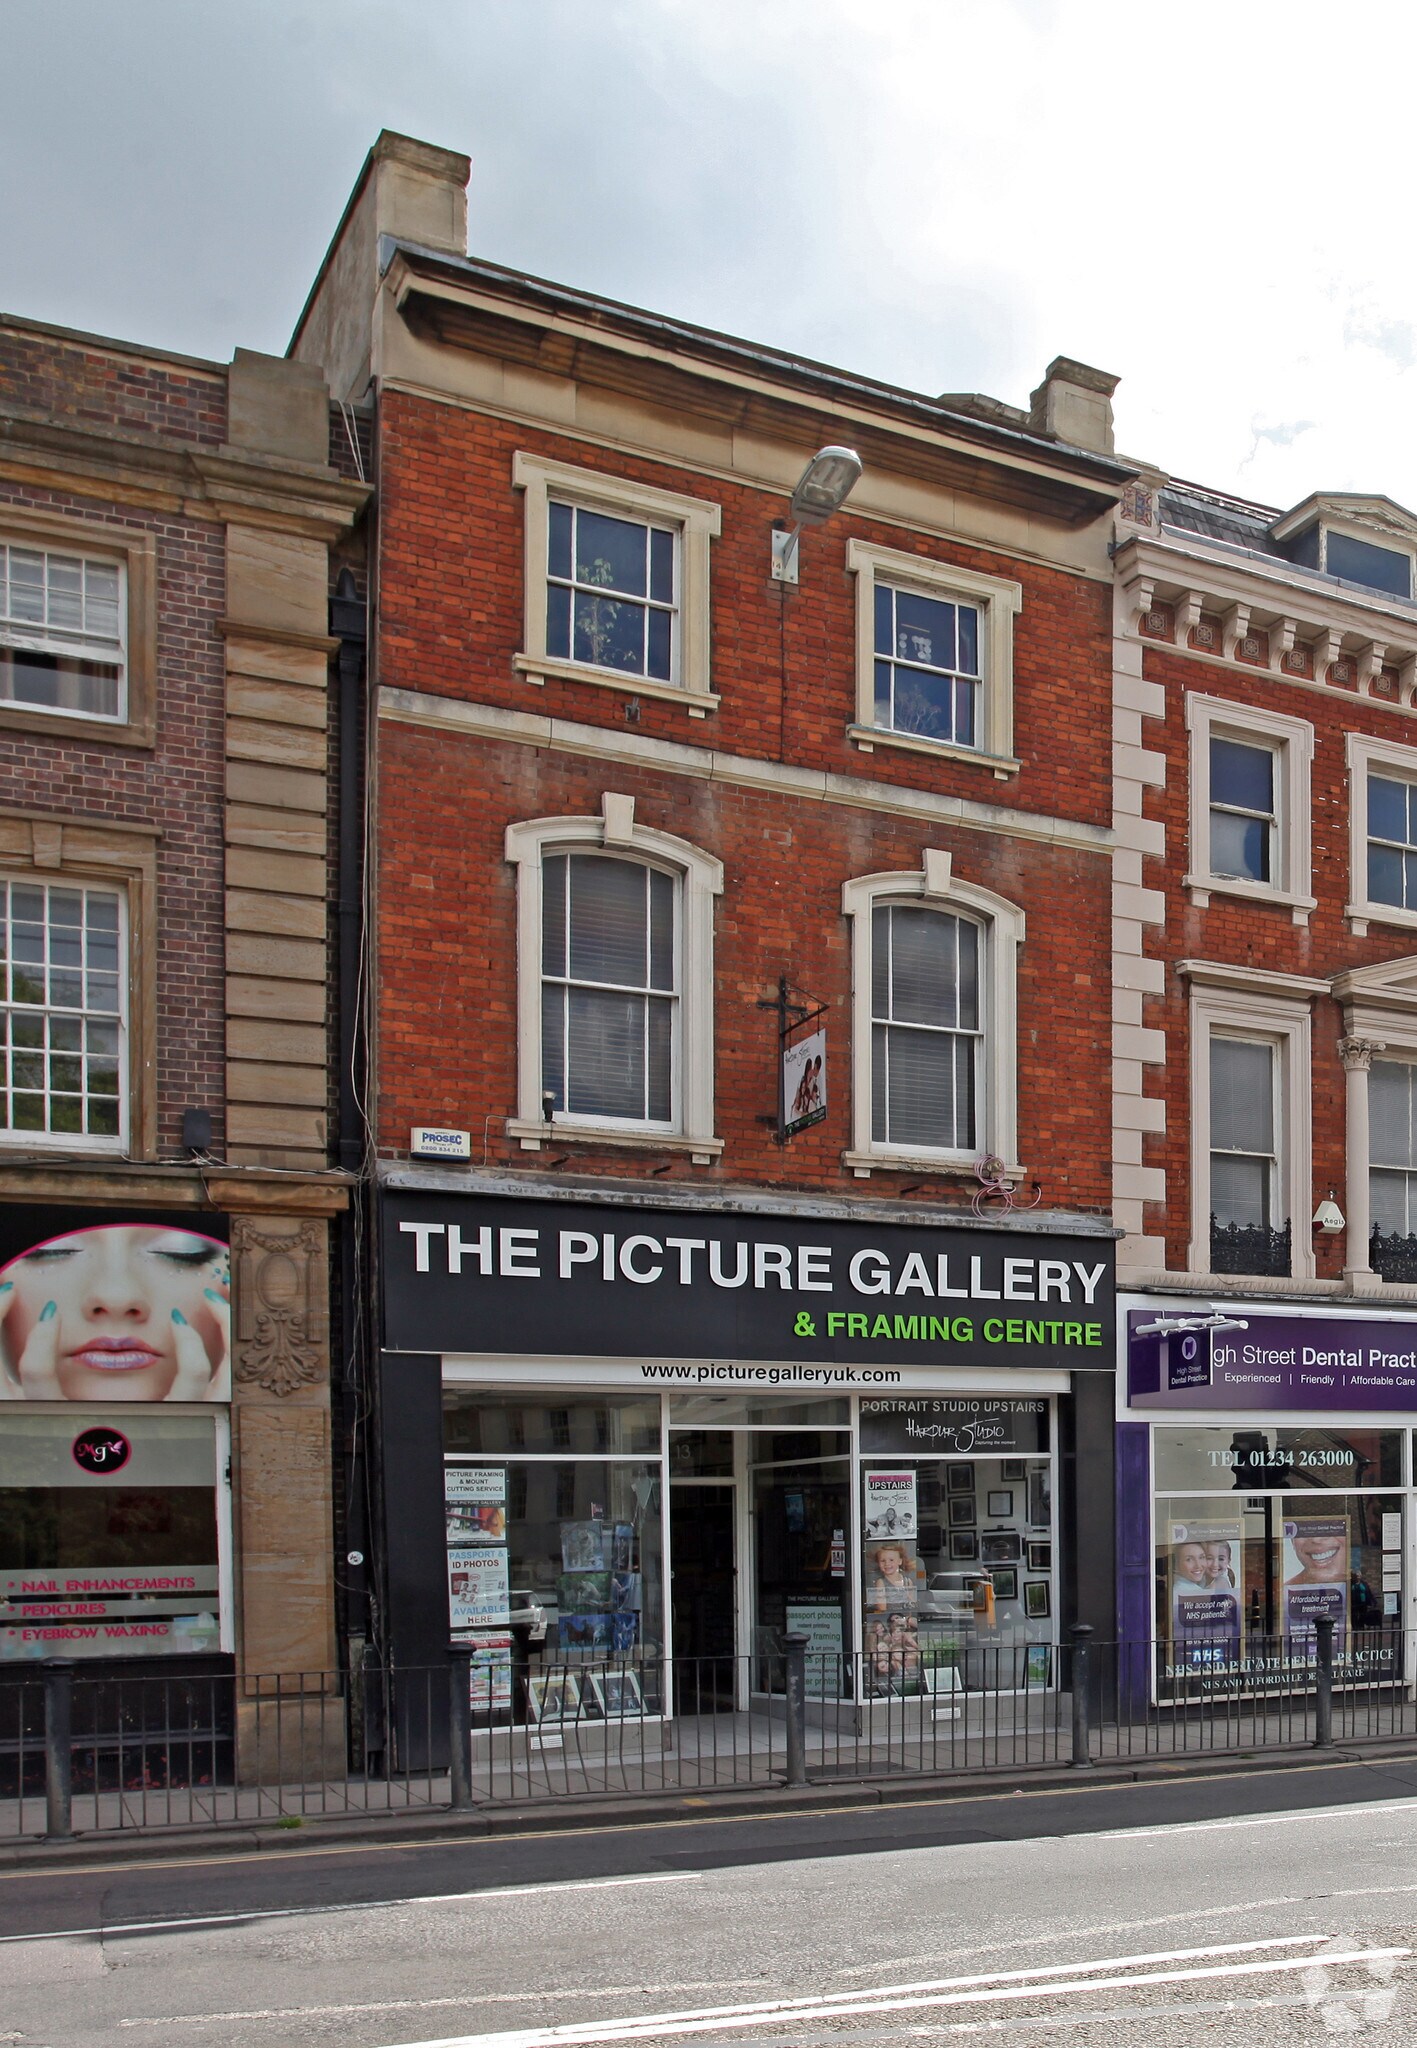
(1211, 200)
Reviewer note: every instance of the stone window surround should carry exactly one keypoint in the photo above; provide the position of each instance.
(1291, 740)
(136, 553)
(1366, 755)
(121, 857)
(935, 886)
(700, 877)
(998, 599)
(1379, 1021)
(1240, 1003)
(697, 522)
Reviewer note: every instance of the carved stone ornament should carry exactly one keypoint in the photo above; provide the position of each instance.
(1357, 1053)
(280, 1318)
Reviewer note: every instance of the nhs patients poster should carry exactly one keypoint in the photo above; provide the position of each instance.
(1203, 1588)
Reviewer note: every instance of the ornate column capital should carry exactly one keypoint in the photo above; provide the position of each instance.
(1357, 1053)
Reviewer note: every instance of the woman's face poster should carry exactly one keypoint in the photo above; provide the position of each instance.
(117, 1312)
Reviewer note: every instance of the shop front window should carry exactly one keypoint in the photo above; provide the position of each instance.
(108, 1535)
(555, 1563)
(1267, 1530)
(958, 1576)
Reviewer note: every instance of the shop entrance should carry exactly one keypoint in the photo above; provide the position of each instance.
(704, 1593)
(759, 1530)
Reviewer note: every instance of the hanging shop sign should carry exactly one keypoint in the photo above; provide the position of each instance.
(473, 1275)
(992, 1426)
(1274, 1362)
(99, 1306)
(804, 1083)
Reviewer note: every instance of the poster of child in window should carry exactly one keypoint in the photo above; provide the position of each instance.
(892, 1634)
(1204, 1592)
(1315, 1581)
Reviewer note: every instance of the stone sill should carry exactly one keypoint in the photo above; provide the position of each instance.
(532, 1136)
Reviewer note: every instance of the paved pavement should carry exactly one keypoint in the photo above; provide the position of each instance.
(1212, 1910)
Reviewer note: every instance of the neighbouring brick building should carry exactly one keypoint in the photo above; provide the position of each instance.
(1266, 1079)
(167, 1188)
(649, 779)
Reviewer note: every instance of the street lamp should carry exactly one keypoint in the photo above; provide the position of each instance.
(823, 488)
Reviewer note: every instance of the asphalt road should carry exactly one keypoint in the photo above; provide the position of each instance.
(1223, 1910)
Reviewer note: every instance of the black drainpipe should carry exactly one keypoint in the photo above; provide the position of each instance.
(349, 625)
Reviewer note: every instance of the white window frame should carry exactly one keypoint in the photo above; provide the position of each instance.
(696, 522)
(1291, 741)
(935, 887)
(1236, 1004)
(700, 879)
(12, 1140)
(1367, 756)
(997, 600)
(134, 554)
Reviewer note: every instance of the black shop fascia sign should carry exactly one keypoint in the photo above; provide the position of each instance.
(472, 1274)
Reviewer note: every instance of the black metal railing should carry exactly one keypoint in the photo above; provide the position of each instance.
(1251, 1248)
(1393, 1256)
(86, 1755)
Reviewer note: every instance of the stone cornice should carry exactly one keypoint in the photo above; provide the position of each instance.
(173, 1186)
(702, 374)
(1251, 593)
(220, 484)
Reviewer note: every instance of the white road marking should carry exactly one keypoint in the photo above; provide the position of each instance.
(325, 2012)
(510, 1891)
(1255, 1820)
(994, 1988)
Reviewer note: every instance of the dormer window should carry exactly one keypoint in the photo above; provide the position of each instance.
(1358, 561)
(1327, 534)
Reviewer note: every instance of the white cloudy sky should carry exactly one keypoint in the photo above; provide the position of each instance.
(1211, 199)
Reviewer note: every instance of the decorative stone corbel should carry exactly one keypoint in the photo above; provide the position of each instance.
(1406, 677)
(1139, 596)
(1188, 612)
(1234, 625)
(1281, 640)
(1325, 648)
(1370, 660)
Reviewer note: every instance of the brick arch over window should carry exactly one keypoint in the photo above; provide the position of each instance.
(697, 878)
(1000, 928)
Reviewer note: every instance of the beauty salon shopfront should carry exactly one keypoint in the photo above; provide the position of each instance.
(1265, 1478)
(627, 1447)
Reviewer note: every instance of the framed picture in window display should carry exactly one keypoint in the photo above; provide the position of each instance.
(1001, 1504)
(1037, 1664)
(1040, 1555)
(1001, 1546)
(1040, 1498)
(618, 1694)
(962, 1512)
(1037, 1600)
(960, 1479)
(554, 1698)
(1005, 1582)
(586, 1546)
(964, 1544)
(1011, 1468)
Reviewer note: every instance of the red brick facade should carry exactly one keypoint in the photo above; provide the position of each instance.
(1257, 934)
(784, 662)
